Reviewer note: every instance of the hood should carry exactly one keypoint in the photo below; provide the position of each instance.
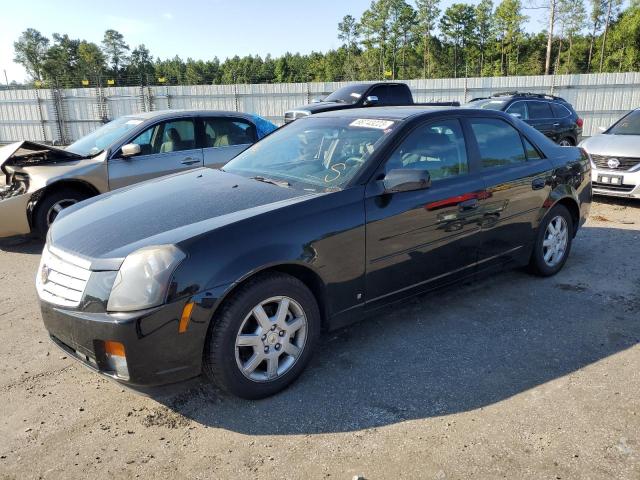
(106, 228)
(613, 145)
(323, 107)
(32, 153)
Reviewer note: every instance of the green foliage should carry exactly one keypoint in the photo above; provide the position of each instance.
(393, 39)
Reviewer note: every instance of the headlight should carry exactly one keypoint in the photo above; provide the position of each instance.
(143, 278)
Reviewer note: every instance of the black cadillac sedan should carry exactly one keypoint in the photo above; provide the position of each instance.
(235, 272)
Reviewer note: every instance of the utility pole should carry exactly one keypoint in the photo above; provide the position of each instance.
(552, 20)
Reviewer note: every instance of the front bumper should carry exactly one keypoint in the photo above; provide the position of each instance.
(13, 215)
(629, 187)
(156, 353)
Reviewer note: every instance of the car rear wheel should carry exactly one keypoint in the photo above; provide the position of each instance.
(263, 337)
(50, 206)
(553, 242)
(566, 142)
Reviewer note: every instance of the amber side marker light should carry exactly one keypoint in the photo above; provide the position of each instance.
(186, 317)
(116, 358)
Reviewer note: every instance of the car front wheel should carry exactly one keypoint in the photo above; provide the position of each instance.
(553, 242)
(263, 337)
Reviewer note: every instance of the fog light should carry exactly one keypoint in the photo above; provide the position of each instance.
(115, 359)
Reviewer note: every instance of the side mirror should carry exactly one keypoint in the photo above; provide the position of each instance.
(516, 115)
(602, 129)
(130, 149)
(406, 180)
(371, 100)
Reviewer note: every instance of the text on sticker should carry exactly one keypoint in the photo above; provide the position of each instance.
(371, 123)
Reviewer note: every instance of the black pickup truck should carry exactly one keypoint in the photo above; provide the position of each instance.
(358, 95)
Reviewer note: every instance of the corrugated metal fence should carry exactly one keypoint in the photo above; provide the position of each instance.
(61, 116)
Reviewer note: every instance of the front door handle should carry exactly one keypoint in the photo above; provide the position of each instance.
(556, 124)
(470, 204)
(538, 183)
(189, 161)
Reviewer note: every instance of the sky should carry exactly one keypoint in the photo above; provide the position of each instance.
(191, 28)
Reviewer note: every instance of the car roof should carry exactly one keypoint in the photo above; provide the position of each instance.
(176, 113)
(392, 113)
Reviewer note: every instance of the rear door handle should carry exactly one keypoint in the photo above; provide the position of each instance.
(189, 161)
(470, 204)
(538, 183)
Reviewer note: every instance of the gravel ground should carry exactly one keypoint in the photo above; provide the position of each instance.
(511, 377)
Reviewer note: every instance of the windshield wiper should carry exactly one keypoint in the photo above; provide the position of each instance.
(279, 183)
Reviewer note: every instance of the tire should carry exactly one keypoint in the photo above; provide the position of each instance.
(47, 208)
(566, 142)
(543, 261)
(229, 365)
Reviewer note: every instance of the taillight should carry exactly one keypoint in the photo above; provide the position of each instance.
(579, 122)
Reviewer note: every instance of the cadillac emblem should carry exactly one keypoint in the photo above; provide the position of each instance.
(44, 274)
(613, 163)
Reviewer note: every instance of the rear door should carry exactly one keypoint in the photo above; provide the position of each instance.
(427, 237)
(517, 178)
(166, 147)
(541, 118)
(222, 138)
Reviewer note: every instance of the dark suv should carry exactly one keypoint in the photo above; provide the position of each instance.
(553, 116)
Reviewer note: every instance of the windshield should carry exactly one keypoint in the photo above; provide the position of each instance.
(103, 137)
(316, 154)
(627, 125)
(487, 104)
(349, 94)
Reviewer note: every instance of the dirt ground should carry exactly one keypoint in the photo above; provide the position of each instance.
(512, 377)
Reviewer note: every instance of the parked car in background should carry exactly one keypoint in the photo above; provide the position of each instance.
(553, 116)
(42, 180)
(313, 227)
(358, 95)
(615, 157)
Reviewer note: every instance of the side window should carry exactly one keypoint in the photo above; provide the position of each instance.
(437, 147)
(380, 92)
(178, 135)
(500, 144)
(398, 95)
(146, 139)
(560, 111)
(224, 132)
(519, 109)
(539, 111)
(532, 153)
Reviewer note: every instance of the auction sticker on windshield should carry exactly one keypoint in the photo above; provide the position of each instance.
(371, 123)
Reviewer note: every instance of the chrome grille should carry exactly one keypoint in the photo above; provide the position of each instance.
(61, 279)
(625, 163)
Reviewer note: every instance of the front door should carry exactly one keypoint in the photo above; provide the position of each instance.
(166, 147)
(424, 238)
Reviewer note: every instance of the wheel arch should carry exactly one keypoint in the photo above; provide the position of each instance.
(302, 272)
(75, 184)
(570, 204)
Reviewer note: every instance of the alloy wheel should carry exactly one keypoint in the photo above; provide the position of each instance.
(556, 238)
(271, 339)
(57, 207)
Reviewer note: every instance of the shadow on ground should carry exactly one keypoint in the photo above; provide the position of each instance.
(450, 351)
(23, 244)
